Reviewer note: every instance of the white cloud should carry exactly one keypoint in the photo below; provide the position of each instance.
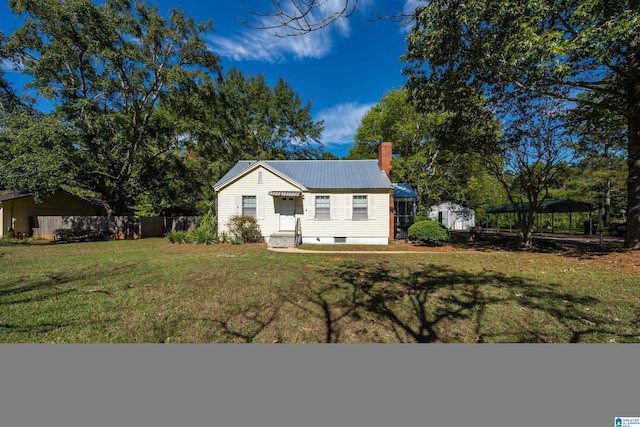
(8, 66)
(409, 8)
(261, 45)
(341, 122)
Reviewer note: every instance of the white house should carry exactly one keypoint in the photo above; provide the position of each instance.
(331, 201)
(453, 216)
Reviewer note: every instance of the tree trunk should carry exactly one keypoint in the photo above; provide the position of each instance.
(632, 239)
(607, 201)
(527, 228)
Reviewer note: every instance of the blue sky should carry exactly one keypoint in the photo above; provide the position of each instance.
(343, 70)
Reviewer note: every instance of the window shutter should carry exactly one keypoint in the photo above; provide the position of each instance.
(372, 206)
(334, 207)
(260, 207)
(347, 207)
(311, 206)
(238, 204)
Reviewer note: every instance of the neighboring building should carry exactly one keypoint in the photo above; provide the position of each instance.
(331, 201)
(178, 211)
(453, 216)
(19, 210)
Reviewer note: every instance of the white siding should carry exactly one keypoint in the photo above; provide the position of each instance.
(230, 199)
(373, 230)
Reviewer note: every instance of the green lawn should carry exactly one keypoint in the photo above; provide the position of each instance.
(152, 291)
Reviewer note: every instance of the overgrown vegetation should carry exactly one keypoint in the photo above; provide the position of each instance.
(4, 241)
(205, 234)
(244, 228)
(151, 291)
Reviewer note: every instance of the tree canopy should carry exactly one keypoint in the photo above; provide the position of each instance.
(422, 156)
(504, 49)
(105, 70)
(235, 117)
(137, 109)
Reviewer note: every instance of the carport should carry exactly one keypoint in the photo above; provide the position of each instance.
(545, 207)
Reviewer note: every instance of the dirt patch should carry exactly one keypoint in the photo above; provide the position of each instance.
(616, 259)
(585, 248)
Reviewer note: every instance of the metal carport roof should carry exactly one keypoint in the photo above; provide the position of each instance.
(546, 206)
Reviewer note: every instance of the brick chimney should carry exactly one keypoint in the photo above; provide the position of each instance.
(384, 161)
(384, 157)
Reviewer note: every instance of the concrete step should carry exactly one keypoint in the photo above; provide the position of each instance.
(282, 239)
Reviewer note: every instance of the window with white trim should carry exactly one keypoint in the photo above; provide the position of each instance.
(249, 206)
(360, 208)
(323, 207)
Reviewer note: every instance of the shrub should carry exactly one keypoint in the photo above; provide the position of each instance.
(179, 237)
(6, 241)
(198, 236)
(203, 236)
(228, 238)
(428, 232)
(208, 220)
(244, 228)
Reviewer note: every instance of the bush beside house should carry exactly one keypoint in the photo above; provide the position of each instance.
(429, 232)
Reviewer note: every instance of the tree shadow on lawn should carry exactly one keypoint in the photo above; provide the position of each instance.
(60, 288)
(247, 324)
(437, 304)
(46, 327)
(54, 285)
(577, 246)
(42, 290)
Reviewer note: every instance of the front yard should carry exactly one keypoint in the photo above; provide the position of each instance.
(152, 291)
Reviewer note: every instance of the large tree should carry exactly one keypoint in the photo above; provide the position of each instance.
(529, 162)
(599, 139)
(421, 155)
(241, 116)
(105, 69)
(34, 149)
(9, 99)
(561, 49)
(247, 118)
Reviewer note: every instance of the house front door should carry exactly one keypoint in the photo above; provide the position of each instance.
(287, 214)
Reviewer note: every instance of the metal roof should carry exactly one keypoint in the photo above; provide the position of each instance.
(546, 206)
(285, 193)
(403, 190)
(318, 174)
(21, 194)
(14, 195)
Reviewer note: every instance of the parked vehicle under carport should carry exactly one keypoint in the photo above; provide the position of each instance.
(617, 229)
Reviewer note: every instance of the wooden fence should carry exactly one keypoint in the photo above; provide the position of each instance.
(122, 227)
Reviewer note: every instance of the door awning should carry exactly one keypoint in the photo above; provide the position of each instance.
(285, 193)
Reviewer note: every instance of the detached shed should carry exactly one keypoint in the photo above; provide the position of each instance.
(453, 216)
(19, 210)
